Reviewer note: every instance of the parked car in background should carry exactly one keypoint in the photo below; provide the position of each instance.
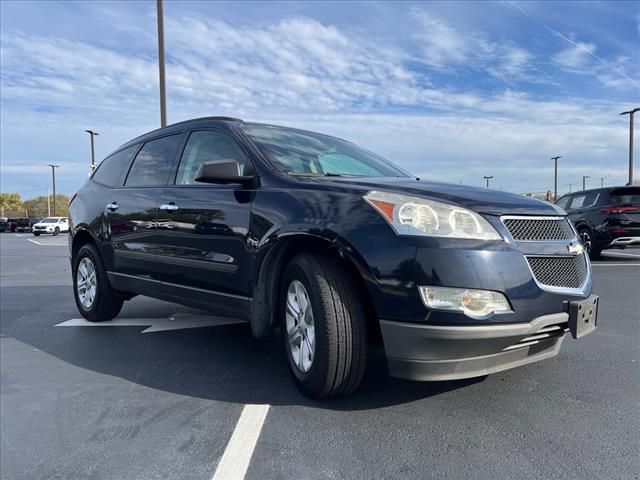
(52, 225)
(605, 217)
(5, 226)
(331, 244)
(24, 225)
(13, 222)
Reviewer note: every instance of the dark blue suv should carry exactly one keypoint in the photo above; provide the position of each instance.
(332, 245)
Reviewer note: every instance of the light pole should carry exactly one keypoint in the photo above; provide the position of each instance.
(630, 113)
(555, 177)
(487, 178)
(584, 181)
(53, 176)
(570, 185)
(602, 180)
(163, 96)
(93, 151)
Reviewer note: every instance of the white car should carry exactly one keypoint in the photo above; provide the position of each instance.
(53, 225)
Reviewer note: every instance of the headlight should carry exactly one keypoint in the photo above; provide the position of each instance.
(417, 216)
(473, 303)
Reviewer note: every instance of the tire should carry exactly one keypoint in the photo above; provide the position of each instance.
(586, 237)
(36, 234)
(56, 231)
(339, 352)
(106, 303)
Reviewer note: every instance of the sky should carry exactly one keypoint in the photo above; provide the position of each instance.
(451, 91)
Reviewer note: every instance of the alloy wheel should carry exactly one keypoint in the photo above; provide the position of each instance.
(86, 283)
(300, 326)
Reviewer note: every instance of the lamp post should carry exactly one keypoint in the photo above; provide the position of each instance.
(93, 151)
(630, 113)
(602, 180)
(584, 181)
(163, 96)
(53, 177)
(555, 177)
(487, 178)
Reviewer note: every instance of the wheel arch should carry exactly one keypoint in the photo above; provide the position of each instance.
(271, 264)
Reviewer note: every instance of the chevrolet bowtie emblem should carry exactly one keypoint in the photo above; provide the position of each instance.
(575, 248)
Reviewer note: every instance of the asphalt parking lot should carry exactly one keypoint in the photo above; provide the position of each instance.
(140, 399)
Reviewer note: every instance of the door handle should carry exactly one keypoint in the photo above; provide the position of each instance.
(113, 206)
(172, 207)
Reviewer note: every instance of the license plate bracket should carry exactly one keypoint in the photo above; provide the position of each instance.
(583, 316)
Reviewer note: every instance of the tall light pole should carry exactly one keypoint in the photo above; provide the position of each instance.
(570, 185)
(163, 95)
(53, 176)
(487, 178)
(555, 177)
(93, 151)
(630, 113)
(584, 181)
(602, 180)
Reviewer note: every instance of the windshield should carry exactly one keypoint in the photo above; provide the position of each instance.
(297, 152)
(49, 220)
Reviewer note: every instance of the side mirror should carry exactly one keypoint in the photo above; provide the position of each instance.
(222, 171)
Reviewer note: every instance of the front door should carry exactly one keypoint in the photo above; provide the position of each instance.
(203, 228)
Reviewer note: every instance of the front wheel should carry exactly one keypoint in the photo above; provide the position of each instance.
(56, 231)
(323, 326)
(95, 299)
(587, 241)
(36, 234)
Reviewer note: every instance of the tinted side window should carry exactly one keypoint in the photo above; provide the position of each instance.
(110, 171)
(153, 162)
(203, 147)
(583, 201)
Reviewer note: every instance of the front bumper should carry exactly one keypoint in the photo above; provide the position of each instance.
(450, 352)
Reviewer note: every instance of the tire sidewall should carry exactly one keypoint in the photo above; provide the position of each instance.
(297, 270)
(56, 231)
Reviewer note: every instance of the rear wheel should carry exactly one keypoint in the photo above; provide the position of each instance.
(587, 241)
(36, 234)
(323, 326)
(95, 298)
(56, 231)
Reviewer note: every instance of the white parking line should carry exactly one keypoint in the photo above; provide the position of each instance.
(45, 244)
(235, 460)
(615, 264)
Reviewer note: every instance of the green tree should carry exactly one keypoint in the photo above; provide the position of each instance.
(38, 207)
(10, 204)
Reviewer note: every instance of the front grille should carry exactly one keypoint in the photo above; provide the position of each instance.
(559, 272)
(539, 229)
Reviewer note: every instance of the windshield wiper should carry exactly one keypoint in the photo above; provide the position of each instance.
(324, 174)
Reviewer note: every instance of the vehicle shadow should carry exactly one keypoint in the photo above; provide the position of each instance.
(221, 363)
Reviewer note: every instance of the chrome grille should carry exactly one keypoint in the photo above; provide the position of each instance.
(559, 272)
(539, 229)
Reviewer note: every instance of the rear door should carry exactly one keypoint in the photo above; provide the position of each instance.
(203, 228)
(130, 213)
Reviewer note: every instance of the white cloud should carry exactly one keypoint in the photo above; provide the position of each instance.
(302, 73)
(444, 47)
(576, 57)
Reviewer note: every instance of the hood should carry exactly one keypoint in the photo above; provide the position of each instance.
(481, 200)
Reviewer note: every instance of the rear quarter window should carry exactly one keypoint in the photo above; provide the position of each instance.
(624, 196)
(111, 170)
